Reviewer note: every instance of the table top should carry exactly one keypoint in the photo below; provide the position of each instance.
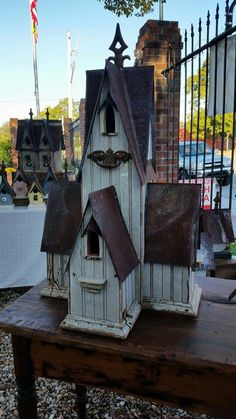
(208, 340)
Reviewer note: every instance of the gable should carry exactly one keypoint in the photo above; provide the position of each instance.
(131, 91)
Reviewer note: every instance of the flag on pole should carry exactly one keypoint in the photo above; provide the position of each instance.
(34, 18)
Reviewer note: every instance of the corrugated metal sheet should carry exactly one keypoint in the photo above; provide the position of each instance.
(172, 222)
(63, 217)
(107, 214)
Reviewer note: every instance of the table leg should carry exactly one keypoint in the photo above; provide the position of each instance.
(25, 381)
(81, 400)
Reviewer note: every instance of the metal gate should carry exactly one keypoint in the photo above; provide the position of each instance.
(207, 107)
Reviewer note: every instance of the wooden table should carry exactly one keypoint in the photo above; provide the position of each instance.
(175, 360)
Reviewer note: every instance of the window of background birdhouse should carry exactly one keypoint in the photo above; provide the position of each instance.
(45, 141)
(28, 160)
(27, 141)
(110, 120)
(92, 244)
(35, 197)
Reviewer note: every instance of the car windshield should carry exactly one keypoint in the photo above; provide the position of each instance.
(194, 149)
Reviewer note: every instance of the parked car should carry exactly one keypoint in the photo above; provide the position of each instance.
(197, 159)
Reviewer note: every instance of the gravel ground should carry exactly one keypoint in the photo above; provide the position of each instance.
(56, 400)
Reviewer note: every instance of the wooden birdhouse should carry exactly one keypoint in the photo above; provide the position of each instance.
(63, 217)
(36, 192)
(6, 192)
(39, 142)
(115, 262)
(20, 187)
(50, 177)
(102, 292)
(171, 238)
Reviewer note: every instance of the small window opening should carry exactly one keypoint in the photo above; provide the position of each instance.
(35, 197)
(92, 244)
(35, 189)
(45, 160)
(45, 141)
(110, 119)
(27, 140)
(28, 160)
(20, 179)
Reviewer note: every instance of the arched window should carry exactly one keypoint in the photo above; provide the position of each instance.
(92, 244)
(110, 120)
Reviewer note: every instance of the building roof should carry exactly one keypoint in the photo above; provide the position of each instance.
(131, 89)
(171, 223)
(63, 217)
(36, 130)
(109, 219)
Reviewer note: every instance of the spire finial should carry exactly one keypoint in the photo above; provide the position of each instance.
(118, 51)
(31, 113)
(47, 113)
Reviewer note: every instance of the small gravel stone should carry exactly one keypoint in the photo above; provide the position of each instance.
(56, 399)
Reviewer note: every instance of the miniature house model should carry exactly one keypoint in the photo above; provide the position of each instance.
(122, 254)
(39, 142)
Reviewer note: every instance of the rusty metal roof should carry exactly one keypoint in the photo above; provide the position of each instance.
(36, 130)
(131, 89)
(107, 214)
(171, 223)
(63, 217)
(218, 225)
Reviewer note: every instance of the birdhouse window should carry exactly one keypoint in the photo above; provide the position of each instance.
(45, 141)
(93, 248)
(110, 126)
(35, 197)
(27, 141)
(45, 161)
(28, 160)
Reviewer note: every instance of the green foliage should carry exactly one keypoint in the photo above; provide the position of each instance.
(128, 8)
(5, 144)
(61, 109)
(199, 123)
(232, 248)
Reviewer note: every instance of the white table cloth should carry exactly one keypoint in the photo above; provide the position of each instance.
(21, 262)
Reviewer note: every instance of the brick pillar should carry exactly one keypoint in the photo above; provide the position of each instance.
(68, 147)
(13, 132)
(82, 122)
(159, 44)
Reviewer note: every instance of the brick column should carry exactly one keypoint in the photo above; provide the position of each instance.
(13, 132)
(159, 44)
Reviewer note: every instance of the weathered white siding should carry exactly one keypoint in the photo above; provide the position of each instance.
(167, 283)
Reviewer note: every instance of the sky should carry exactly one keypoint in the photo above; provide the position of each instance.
(92, 31)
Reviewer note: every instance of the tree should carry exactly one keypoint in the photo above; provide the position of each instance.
(61, 109)
(197, 122)
(5, 144)
(128, 8)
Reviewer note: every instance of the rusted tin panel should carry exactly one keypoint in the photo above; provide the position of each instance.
(63, 217)
(172, 222)
(226, 221)
(107, 214)
(218, 225)
(206, 254)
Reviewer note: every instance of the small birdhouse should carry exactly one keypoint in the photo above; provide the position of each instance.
(36, 192)
(20, 187)
(50, 177)
(103, 270)
(6, 192)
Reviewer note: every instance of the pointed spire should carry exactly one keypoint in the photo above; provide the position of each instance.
(118, 51)
(47, 113)
(31, 113)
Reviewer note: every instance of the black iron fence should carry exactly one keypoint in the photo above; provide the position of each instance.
(206, 129)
